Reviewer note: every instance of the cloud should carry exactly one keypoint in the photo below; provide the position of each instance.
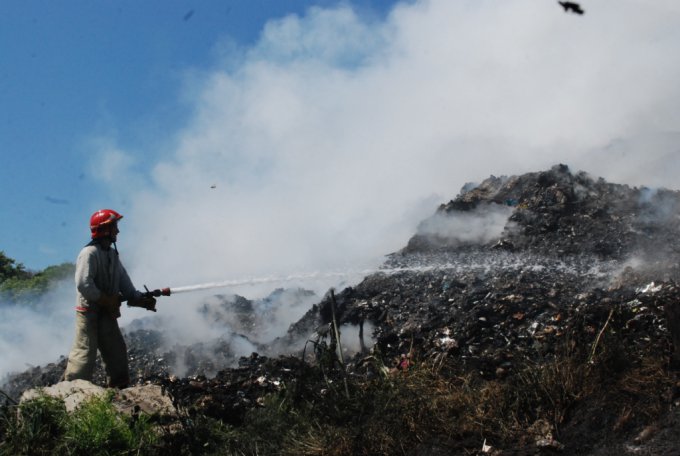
(328, 139)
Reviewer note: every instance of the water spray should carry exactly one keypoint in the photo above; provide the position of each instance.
(283, 279)
(265, 280)
(462, 265)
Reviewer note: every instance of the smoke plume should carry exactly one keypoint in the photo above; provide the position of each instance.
(323, 145)
(328, 141)
(33, 334)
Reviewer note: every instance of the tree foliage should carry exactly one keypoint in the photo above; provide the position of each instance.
(10, 269)
(18, 284)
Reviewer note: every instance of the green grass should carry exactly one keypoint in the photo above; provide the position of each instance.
(33, 427)
(42, 426)
(97, 428)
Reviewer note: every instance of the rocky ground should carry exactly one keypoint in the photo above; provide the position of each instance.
(512, 273)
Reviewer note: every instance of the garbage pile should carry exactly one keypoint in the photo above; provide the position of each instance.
(498, 311)
(556, 213)
(571, 250)
(511, 271)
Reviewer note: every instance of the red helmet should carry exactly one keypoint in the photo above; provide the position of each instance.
(102, 221)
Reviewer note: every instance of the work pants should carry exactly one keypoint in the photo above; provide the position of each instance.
(98, 331)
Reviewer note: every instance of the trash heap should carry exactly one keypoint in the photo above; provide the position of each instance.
(576, 258)
(571, 250)
(511, 272)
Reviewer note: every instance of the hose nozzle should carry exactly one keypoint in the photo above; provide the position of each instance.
(157, 292)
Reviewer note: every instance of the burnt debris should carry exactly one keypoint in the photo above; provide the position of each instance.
(512, 271)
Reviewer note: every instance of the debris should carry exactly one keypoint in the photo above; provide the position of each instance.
(647, 433)
(486, 448)
(563, 278)
(404, 363)
(148, 399)
(650, 288)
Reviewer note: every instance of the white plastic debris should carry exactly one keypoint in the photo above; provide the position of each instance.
(486, 448)
(649, 288)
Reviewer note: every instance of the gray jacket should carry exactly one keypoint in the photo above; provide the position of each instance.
(100, 271)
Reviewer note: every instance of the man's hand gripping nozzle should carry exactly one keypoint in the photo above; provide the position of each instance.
(148, 298)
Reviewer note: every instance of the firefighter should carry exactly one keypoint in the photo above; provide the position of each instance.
(102, 284)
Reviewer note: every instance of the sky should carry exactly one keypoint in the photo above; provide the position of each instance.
(82, 79)
(246, 139)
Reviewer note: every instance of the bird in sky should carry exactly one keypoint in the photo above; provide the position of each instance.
(571, 6)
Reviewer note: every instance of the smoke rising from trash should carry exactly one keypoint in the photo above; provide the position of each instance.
(473, 227)
(36, 333)
(324, 145)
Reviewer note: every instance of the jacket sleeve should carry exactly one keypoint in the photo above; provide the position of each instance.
(127, 289)
(86, 269)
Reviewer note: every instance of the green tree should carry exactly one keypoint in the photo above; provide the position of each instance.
(18, 284)
(9, 268)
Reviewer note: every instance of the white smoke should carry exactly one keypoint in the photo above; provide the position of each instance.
(322, 146)
(37, 333)
(480, 226)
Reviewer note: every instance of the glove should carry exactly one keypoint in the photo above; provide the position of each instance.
(110, 304)
(149, 303)
(146, 302)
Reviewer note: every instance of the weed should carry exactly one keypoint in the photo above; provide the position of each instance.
(96, 427)
(42, 426)
(33, 427)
